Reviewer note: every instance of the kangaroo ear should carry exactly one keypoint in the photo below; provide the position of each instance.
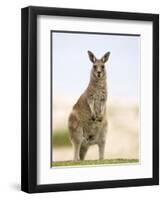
(91, 56)
(105, 57)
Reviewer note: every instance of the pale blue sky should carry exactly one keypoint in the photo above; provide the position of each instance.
(71, 66)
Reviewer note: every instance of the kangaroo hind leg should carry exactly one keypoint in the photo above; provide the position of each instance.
(76, 134)
(83, 151)
(102, 141)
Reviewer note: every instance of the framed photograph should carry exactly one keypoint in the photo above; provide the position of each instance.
(90, 99)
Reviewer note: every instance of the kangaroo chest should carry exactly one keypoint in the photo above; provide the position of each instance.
(99, 97)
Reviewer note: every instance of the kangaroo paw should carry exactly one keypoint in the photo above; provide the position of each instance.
(99, 119)
(93, 117)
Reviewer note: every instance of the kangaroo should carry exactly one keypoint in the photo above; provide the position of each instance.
(88, 121)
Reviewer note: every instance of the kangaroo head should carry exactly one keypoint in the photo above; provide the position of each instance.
(98, 69)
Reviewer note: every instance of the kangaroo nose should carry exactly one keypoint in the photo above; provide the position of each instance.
(98, 73)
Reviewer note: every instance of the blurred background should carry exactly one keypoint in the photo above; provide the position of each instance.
(71, 72)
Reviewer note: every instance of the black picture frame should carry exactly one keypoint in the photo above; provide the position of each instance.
(29, 99)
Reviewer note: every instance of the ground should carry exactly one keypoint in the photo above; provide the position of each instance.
(93, 162)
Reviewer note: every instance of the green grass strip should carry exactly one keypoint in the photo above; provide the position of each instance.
(93, 162)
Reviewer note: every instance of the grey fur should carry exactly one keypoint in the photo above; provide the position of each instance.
(88, 121)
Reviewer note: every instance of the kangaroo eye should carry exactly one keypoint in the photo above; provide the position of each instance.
(102, 66)
(95, 66)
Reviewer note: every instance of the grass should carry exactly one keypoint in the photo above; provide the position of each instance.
(60, 138)
(93, 162)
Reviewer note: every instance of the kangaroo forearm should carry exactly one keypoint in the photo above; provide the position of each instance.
(102, 110)
(91, 106)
